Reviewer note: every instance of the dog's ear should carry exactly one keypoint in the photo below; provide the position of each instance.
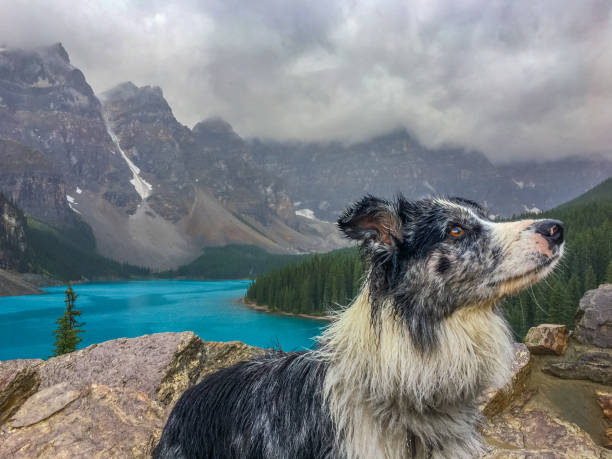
(372, 220)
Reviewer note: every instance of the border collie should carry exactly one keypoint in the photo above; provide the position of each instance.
(397, 374)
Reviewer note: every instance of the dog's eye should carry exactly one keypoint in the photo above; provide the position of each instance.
(455, 231)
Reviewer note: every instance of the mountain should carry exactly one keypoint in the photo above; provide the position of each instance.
(550, 183)
(46, 104)
(29, 178)
(14, 252)
(153, 191)
(323, 177)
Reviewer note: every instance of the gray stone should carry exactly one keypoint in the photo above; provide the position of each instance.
(592, 365)
(594, 317)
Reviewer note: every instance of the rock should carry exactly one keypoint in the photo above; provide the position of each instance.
(108, 400)
(593, 365)
(30, 179)
(18, 380)
(44, 404)
(225, 354)
(547, 339)
(101, 421)
(609, 437)
(494, 400)
(161, 365)
(605, 401)
(537, 434)
(594, 317)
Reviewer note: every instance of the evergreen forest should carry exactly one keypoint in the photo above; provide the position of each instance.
(321, 283)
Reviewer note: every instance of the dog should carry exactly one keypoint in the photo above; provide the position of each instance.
(397, 373)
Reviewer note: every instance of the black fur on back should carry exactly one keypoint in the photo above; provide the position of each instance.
(271, 407)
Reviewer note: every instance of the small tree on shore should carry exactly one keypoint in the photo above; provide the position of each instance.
(67, 331)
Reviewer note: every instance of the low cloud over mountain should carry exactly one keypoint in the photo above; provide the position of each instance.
(528, 80)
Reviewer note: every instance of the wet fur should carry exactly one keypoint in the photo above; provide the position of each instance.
(396, 375)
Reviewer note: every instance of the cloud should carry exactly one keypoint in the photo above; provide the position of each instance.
(514, 80)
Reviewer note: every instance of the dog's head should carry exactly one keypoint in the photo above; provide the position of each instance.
(431, 257)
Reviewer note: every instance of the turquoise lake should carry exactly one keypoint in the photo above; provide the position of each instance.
(134, 308)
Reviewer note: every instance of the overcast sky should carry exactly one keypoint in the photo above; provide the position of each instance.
(512, 79)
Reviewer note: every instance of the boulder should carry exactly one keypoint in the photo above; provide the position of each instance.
(523, 434)
(162, 365)
(605, 401)
(592, 365)
(108, 400)
(97, 421)
(594, 317)
(19, 379)
(547, 339)
(496, 399)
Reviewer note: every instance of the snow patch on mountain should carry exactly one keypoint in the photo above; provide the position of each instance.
(142, 187)
(307, 213)
(71, 203)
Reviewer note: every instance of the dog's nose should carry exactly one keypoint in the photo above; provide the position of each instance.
(552, 230)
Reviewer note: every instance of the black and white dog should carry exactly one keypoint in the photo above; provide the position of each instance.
(396, 375)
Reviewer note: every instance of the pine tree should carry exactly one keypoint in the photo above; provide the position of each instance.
(67, 332)
(609, 273)
(590, 281)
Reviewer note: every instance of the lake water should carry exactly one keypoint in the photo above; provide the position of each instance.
(129, 309)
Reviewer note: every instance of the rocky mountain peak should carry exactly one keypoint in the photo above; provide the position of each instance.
(46, 104)
(145, 101)
(215, 130)
(58, 49)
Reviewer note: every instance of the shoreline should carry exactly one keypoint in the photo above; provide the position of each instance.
(267, 310)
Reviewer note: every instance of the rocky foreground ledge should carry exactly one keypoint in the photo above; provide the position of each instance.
(111, 399)
(107, 400)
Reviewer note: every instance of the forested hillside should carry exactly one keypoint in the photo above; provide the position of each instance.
(313, 286)
(320, 282)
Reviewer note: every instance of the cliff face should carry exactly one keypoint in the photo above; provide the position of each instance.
(13, 246)
(154, 141)
(29, 178)
(224, 161)
(46, 104)
(178, 161)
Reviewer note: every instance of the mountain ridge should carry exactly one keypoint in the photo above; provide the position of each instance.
(156, 192)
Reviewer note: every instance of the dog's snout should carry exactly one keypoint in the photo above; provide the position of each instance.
(552, 230)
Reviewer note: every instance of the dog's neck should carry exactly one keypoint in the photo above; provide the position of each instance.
(376, 372)
(473, 352)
